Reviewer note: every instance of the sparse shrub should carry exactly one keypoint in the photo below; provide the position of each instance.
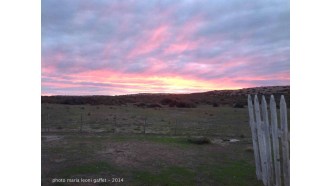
(179, 104)
(199, 140)
(249, 149)
(215, 104)
(172, 104)
(166, 101)
(154, 105)
(182, 104)
(140, 105)
(238, 105)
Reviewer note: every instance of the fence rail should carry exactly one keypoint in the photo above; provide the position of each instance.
(142, 125)
(270, 141)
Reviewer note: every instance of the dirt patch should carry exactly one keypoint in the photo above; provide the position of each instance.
(57, 159)
(145, 154)
(217, 141)
(48, 138)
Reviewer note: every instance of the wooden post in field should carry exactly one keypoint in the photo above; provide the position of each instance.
(285, 142)
(47, 122)
(261, 141)
(267, 140)
(276, 147)
(175, 126)
(144, 126)
(115, 124)
(81, 122)
(254, 138)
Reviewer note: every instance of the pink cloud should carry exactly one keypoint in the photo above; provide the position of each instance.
(151, 41)
(59, 84)
(180, 47)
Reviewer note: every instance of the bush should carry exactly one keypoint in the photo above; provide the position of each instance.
(166, 101)
(140, 105)
(172, 104)
(215, 104)
(249, 149)
(154, 105)
(238, 105)
(199, 140)
(182, 104)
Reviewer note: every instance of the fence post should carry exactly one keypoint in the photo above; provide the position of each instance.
(115, 125)
(276, 157)
(254, 138)
(47, 122)
(267, 140)
(285, 142)
(81, 122)
(144, 126)
(175, 126)
(261, 141)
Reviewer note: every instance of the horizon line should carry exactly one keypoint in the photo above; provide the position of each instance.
(145, 93)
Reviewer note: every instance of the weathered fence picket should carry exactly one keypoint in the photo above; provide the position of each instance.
(261, 141)
(285, 142)
(267, 141)
(276, 152)
(254, 138)
(271, 166)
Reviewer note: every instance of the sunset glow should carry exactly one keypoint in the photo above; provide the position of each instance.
(127, 47)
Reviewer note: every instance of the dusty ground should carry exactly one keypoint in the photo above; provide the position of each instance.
(112, 144)
(143, 160)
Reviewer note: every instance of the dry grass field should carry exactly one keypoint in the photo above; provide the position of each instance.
(128, 144)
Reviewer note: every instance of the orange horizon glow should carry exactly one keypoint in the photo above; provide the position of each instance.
(112, 81)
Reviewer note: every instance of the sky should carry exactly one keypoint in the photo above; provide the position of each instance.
(115, 47)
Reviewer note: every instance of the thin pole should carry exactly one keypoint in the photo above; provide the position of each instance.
(115, 126)
(144, 126)
(175, 126)
(81, 122)
(47, 122)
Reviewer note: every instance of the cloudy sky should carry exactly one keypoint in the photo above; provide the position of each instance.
(112, 47)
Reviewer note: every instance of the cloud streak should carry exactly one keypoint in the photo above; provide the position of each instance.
(123, 47)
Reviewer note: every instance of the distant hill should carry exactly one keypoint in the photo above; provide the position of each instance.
(215, 98)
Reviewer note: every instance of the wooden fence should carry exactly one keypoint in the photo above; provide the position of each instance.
(270, 141)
